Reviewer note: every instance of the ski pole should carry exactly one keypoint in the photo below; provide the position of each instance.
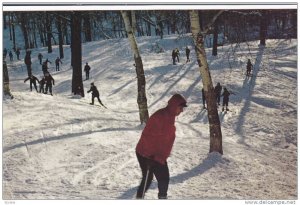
(144, 190)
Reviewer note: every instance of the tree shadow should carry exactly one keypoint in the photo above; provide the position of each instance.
(174, 83)
(209, 162)
(65, 136)
(251, 81)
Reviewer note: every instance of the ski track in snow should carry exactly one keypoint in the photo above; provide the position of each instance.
(60, 147)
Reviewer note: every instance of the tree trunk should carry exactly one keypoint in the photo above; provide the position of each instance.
(263, 28)
(133, 21)
(24, 29)
(6, 89)
(215, 41)
(49, 33)
(60, 38)
(213, 117)
(141, 99)
(87, 28)
(76, 51)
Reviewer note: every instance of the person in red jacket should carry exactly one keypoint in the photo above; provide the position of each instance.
(155, 145)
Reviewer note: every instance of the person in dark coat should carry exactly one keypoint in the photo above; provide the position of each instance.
(40, 57)
(174, 57)
(249, 67)
(18, 53)
(155, 145)
(95, 94)
(187, 53)
(42, 84)
(225, 95)
(203, 98)
(218, 90)
(33, 80)
(57, 61)
(49, 81)
(87, 69)
(45, 68)
(11, 56)
(177, 54)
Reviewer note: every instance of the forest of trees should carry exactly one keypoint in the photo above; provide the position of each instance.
(47, 28)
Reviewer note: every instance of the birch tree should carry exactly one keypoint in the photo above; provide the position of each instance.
(133, 20)
(6, 90)
(213, 117)
(141, 82)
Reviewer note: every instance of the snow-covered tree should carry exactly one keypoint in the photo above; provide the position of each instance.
(141, 99)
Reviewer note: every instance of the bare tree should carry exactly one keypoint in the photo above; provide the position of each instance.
(76, 53)
(263, 28)
(213, 117)
(6, 89)
(141, 99)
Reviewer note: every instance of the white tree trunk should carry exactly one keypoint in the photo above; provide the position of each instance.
(133, 19)
(213, 117)
(141, 99)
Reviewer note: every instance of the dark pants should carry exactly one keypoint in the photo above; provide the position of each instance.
(87, 75)
(50, 88)
(57, 67)
(218, 96)
(225, 103)
(93, 96)
(161, 173)
(174, 60)
(42, 88)
(34, 84)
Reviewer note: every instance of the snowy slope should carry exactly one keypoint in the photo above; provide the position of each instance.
(60, 147)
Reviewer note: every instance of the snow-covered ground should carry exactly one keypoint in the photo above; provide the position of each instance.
(60, 147)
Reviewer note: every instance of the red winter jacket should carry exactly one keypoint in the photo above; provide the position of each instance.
(158, 136)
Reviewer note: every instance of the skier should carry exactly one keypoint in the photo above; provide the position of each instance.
(95, 94)
(45, 67)
(87, 69)
(57, 61)
(203, 98)
(218, 90)
(11, 56)
(42, 83)
(187, 52)
(48, 81)
(174, 56)
(40, 57)
(225, 95)
(249, 67)
(33, 80)
(18, 53)
(155, 145)
(177, 54)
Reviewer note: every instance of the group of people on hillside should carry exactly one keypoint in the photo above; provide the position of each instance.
(17, 51)
(45, 63)
(47, 79)
(158, 136)
(176, 54)
(218, 95)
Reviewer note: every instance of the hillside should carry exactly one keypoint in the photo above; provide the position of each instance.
(60, 147)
